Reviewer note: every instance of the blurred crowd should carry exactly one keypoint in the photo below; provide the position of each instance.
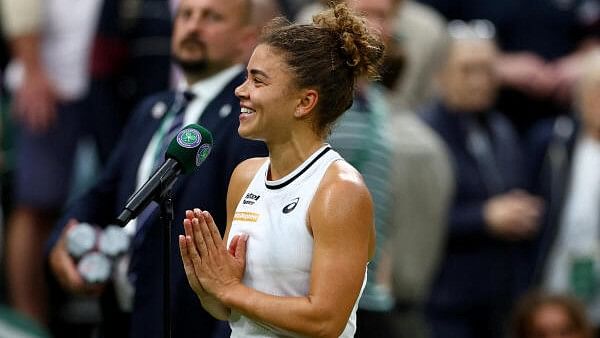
(480, 145)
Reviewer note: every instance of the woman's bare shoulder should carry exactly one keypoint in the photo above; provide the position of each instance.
(343, 175)
(343, 184)
(245, 171)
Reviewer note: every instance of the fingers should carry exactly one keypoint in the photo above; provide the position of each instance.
(201, 227)
(233, 245)
(192, 229)
(209, 230)
(515, 215)
(187, 227)
(240, 249)
(188, 265)
(214, 231)
(195, 246)
(237, 247)
(186, 251)
(189, 214)
(193, 252)
(64, 269)
(185, 256)
(198, 238)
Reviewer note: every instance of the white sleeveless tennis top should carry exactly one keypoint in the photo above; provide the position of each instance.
(280, 247)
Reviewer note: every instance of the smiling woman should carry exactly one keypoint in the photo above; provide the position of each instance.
(300, 222)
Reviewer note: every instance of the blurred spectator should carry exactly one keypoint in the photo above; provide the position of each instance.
(489, 216)
(3, 113)
(541, 43)
(48, 77)
(394, 55)
(132, 41)
(423, 183)
(290, 8)
(416, 48)
(209, 43)
(422, 180)
(566, 155)
(542, 315)
(130, 56)
(421, 34)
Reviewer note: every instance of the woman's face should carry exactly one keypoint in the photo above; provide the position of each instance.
(268, 97)
(553, 321)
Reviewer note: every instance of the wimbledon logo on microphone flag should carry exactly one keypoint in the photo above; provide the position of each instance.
(189, 138)
(203, 152)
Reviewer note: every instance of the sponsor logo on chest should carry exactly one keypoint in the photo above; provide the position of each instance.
(250, 199)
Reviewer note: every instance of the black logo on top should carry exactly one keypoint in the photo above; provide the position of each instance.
(290, 207)
(250, 198)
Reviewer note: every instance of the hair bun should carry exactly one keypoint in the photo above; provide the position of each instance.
(362, 50)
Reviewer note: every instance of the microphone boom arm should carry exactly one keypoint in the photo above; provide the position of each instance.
(160, 182)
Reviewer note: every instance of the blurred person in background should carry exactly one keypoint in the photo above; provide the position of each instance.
(490, 218)
(541, 44)
(48, 77)
(291, 8)
(3, 113)
(416, 48)
(423, 184)
(421, 33)
(422, 179)
(133, 40)
(394, 55)
(545, 315)
(209, 42)
(565, 157)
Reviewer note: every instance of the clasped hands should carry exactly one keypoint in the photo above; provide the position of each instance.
(211, 268)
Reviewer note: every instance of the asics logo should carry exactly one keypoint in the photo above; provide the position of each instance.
(290, 207)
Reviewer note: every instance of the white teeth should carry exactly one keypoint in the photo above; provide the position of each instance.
(245, 110)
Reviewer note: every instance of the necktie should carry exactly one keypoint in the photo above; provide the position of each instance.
(171, 129)
(480, 146)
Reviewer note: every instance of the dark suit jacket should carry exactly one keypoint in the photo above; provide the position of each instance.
(206, 188)
(477, 270)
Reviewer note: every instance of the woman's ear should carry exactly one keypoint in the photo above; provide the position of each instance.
(307, 103)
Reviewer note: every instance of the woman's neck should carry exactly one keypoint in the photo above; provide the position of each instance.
(287, 156)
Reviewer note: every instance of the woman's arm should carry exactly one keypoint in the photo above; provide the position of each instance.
(341, 221)
(240, 179)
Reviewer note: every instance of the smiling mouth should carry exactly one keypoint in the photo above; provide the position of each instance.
(245, 110)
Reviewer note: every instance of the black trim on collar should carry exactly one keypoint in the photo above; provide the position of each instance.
(281, 185)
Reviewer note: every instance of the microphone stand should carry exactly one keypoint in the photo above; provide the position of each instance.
(165, 200)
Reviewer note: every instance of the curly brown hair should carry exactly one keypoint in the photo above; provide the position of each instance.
(328, 55)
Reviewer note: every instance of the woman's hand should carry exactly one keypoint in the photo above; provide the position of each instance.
(210, 268)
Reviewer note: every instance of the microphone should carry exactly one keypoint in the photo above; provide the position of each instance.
(185, 153)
